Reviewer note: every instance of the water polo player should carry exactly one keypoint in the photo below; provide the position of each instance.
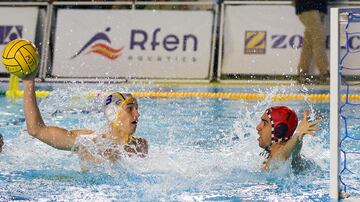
(120, 109)
(280, 135)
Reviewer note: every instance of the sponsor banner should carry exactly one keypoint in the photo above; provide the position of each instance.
(350, 57)
(140, 44)
(262, 40)
(16, 23)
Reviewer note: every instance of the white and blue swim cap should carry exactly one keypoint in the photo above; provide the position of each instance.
(113, 105)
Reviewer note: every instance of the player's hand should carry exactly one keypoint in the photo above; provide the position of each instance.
(31, 76)
(306, 126)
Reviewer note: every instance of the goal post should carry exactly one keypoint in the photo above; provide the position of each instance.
(334, 103)
(344, 119)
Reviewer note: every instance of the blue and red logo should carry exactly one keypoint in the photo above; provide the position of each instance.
(101, 48)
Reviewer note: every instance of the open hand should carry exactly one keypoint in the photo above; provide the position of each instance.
(306, 127)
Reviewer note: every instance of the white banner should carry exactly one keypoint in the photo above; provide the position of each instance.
(350, 56)
(262, 40)
(141, 44)
(16, 22)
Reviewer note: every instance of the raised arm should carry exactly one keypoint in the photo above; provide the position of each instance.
(293, 146)
(57, 137)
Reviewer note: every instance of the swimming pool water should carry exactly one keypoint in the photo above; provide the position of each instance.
(200, 149)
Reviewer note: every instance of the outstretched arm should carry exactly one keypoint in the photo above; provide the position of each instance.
(293, 146)
(57, 137)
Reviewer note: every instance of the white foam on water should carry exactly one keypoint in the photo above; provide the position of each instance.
(185, 170)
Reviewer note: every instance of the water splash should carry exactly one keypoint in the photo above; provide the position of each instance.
(205, 149)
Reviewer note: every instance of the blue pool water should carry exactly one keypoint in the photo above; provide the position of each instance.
(200, 150)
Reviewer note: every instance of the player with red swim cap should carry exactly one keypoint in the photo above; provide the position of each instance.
(281, 136)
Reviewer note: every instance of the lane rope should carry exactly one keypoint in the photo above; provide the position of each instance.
(243, 96)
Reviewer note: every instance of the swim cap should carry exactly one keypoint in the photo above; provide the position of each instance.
(283, 123)
(113, 104)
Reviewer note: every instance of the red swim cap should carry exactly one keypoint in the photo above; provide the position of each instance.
(283, 123)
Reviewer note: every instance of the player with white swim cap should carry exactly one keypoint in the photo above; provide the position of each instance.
(120, 109)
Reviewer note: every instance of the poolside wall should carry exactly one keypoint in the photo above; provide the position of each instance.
(207, 40)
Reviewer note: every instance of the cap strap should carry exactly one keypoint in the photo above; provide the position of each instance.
(272, 127)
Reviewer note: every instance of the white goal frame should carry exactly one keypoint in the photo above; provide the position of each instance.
(334, 103)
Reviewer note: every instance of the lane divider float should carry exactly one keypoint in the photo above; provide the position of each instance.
(225, 95)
